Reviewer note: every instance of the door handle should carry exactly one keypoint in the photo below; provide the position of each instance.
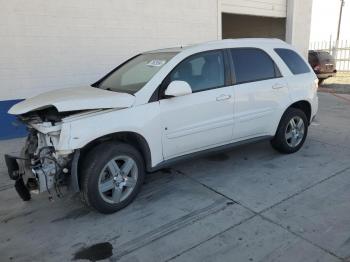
(277, 86)
(223, 97)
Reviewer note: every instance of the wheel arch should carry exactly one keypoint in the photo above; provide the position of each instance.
(132, 138)
(304, 106)
(279, 141)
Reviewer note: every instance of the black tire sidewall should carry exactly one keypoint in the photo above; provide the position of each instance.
(279, 142)
(95, 161)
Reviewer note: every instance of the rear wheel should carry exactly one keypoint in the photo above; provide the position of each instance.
(112, 175)
(320, 81)
(291, 132)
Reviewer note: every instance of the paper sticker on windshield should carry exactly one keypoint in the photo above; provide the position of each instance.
(156, 62)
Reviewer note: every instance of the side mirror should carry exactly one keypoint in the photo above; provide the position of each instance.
(178, 88)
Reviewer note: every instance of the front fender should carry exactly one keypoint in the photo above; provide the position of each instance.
(143, 120)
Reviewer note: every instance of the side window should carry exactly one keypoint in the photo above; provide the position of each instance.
(294, 62)
(325, 56)
(201, 71)
(252, 64)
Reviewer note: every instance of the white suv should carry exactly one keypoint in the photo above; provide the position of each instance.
(159, 107)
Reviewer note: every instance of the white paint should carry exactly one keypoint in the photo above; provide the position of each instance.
(197, 121)
(178, 88)
(298, 24)
(271, 8)
(257, 104)
(201, 120)
(73, 99)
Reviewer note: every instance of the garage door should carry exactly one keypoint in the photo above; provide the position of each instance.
(270, 8)
(253, 18)
(238, 26)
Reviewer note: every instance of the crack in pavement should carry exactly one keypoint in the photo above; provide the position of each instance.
(329, 144)
(307, 188)
(262, 211)
(168, 228)
(341, 97)
(210, 238)
(300, 236)
(6, 187)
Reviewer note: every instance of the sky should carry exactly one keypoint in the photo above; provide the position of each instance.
(324, 20)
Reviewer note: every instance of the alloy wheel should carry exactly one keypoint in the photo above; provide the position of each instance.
(118, 179)
(295, 131)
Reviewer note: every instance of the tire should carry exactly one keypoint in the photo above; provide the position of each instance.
(22, 190)
(286, 140)
(320, 81)
(104, 187)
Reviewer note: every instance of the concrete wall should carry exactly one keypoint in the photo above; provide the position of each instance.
(299, 24)
(48, 44)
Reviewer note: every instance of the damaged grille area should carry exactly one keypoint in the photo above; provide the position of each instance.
(39, 168)
(49, 114)
(47, 169)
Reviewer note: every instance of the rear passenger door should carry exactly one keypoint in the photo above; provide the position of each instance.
(258, 90)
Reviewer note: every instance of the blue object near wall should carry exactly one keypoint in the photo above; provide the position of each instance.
(10, 127)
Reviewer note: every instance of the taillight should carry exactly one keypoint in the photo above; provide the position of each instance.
(317, 67)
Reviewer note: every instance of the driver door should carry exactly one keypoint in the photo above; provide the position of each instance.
(203, 119)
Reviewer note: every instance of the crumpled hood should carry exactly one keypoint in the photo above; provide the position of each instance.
(72, 99)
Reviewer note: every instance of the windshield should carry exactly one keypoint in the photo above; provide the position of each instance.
(134, 74)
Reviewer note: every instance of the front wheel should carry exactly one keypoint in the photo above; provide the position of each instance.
(291, 132)
(112, 175)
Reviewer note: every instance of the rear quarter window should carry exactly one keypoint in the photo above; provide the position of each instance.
(294, 62)
(325, 57)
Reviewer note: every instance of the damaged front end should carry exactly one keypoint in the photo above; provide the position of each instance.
(40, 167)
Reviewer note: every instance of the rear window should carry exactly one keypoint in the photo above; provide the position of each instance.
(312, 57)
(294, 62)
(324, 56)
(252, 64)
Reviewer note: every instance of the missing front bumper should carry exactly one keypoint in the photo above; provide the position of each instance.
(36, 176)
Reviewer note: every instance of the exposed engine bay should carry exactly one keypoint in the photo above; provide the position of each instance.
(48, 168)
(40, 167)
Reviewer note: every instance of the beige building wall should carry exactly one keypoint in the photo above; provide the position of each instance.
(299, 24)
(49, 44)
